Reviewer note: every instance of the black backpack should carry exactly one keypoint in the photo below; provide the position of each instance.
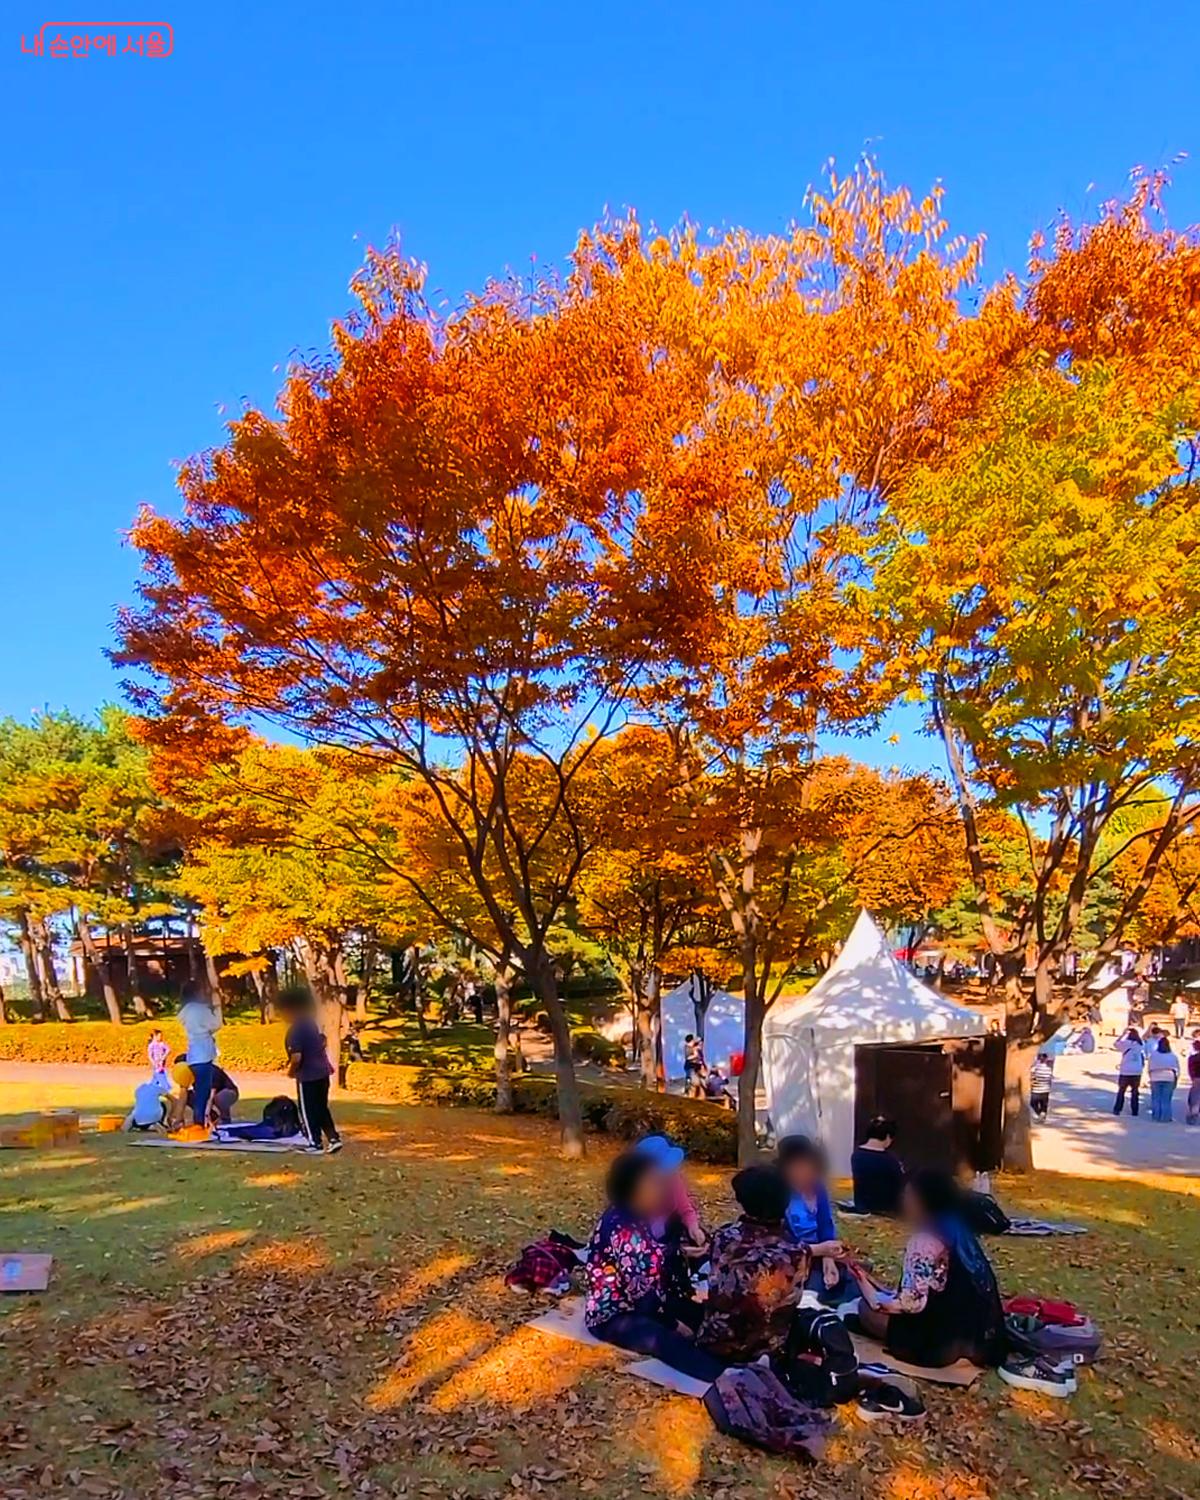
(818, 1363)
(983, 1215)
(750, 1403)
(282, 1116)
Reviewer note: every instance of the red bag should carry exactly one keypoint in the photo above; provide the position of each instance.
(1065, 1314)
(737, 1063)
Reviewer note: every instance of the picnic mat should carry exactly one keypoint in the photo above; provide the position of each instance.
(24, 1273)
(270, 1148)
(871, 1352)
(1042, 1228)
(565, 1321)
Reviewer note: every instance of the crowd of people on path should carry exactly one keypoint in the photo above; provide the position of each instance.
(192, 1090)
(1153, 1056)
(782, 1262)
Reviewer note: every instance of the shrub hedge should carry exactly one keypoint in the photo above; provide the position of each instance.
(248, 1048)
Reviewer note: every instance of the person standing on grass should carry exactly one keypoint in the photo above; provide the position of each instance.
(1193, 1098)
(201, 1021)
(309, 1065)
(1180, 1011)
(158, 1051)
(1041, 1076)
(1129, 1074)
(1163, 1068)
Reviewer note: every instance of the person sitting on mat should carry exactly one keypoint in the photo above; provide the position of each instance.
(149, 1112)
(629, 1302)
(757, 1275)
(223, 1097)
(810, 1215)
(877, 1171)
(947, 1306)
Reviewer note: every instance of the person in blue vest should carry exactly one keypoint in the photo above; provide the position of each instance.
(809, 1216)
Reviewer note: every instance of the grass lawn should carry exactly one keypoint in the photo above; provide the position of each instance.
(241, 1325)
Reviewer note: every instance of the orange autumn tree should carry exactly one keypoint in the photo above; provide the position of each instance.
(1041, 586)
(460, 542)
(837, 359)
(644, 890)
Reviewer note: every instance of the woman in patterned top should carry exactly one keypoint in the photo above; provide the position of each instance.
(629, 1302)
(947, 1306)
(758, 1273)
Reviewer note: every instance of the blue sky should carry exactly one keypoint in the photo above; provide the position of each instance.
(174, 229)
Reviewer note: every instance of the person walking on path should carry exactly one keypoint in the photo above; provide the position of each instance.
(201, 1021)
(309, 1065)
(1129, 1074)
(1193, 1098)
(1041, 1076)
(1163, 1068)
(1180, 1011)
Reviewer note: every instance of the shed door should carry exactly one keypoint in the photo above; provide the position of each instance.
(912, 1085)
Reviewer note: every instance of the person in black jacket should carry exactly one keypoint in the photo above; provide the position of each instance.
(877, 1171)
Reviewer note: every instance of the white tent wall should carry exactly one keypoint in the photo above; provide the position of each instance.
(809, 1042)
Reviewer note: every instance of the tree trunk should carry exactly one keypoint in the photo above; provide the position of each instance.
(270, 979)
(214, 978)
(570, 1106)
(3, 1010)
(132, 971)
(1018, 1135)
(91, 953)
(36, 993)
(193, 951)
(747, 1133)
(504, 1087)
(49, 974)
(368, 979)
(260, 989)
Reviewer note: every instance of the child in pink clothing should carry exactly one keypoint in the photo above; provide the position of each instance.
(158, 1051)
(669, 1158)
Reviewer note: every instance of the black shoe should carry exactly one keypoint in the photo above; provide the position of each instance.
(334, 1146)
(888, 1401)
(1034, 1373)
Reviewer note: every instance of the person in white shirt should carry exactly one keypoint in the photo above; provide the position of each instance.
(201, 1021)
(1180, 1011)
(1129, 1074)
(148, 1112)
(1163, 1068)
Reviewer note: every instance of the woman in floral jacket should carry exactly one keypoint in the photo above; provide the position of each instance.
(628, 1302)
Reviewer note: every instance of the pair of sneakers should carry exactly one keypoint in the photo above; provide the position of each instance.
(331, 1149)
(1039, 1372)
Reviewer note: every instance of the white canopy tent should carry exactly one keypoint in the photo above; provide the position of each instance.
(866, 997)
(722, 1030)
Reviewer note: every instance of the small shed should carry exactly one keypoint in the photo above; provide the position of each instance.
(870, 1038)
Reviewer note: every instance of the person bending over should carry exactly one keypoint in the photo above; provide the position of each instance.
(947, 1306)
(757, 1275)
(877, 1171)
(810, 1215)
(629, 1301)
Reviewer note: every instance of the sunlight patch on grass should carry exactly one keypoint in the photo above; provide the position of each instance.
(675, 1440)
(907, 1482)
(271, 1179)
(522, 1370)
(420, 1283)
(432, 1351)
(132, 1206)
(47, 1164)
(510, 1169)
(287, 1258)
(201, 1245)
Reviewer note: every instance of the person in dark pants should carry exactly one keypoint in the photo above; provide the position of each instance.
(309, 1065)
(629, 1300)
(1129, 1074)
